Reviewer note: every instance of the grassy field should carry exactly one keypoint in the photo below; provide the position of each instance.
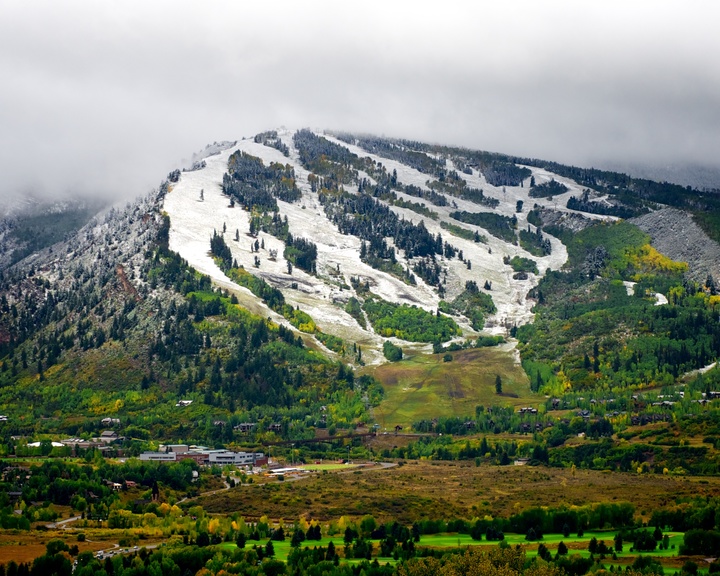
(424, 489)
(26, 546)
(329, 467)
(576, 545)
(282, 549)
(22, 546)
(424, 387)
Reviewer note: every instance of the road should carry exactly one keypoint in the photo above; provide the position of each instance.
(62, 524)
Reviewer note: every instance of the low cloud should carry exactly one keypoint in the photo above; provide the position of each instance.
(106, 98)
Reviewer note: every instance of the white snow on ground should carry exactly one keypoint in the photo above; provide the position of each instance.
(703, 370)
(707, 368)
(193, 221)
(509, 296)
(559, 202)
(660, 299)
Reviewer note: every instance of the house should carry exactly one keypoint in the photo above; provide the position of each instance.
(108, 436)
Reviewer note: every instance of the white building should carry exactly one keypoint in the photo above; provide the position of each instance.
(159, 456)
(236, 458)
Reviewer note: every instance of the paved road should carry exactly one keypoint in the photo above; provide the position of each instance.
(62, 524)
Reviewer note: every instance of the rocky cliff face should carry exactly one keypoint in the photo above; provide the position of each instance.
(675, 234)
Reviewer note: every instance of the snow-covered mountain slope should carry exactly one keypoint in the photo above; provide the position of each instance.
(29, 224)
(198, 208)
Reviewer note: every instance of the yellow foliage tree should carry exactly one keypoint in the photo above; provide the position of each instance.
(213, 525)
(149, 519)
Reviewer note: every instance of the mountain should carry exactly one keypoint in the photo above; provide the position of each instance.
(32, 224)
(278, 280)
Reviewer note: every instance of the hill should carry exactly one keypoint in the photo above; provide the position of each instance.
(271, 281)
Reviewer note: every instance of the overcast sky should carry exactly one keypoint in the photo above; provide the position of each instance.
(106, 97)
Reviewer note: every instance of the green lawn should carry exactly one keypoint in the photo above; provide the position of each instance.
(424, 387)
(282, 549)
(453, 540)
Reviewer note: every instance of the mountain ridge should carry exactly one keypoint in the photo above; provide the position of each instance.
(128, 284)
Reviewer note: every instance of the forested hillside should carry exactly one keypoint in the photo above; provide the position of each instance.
(327, 298)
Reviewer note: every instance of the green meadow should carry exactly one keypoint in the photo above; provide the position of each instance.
(425, 387)
(577, 545)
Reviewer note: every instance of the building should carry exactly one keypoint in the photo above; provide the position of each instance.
(177, 448)
(236, 458)
(158, 456)
(199, 457)
(108, 436)
(76, 443)
(245, 427)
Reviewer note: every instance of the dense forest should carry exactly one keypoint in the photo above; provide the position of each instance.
(271, 138)
(546, 189)
(188, 341)
(674, 339)
(256, 186)
(408, 322)
(400, 151)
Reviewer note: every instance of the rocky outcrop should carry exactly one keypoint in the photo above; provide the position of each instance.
(572, 221)
(677, 236)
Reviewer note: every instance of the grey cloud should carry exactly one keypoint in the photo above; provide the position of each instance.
(106, 98)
